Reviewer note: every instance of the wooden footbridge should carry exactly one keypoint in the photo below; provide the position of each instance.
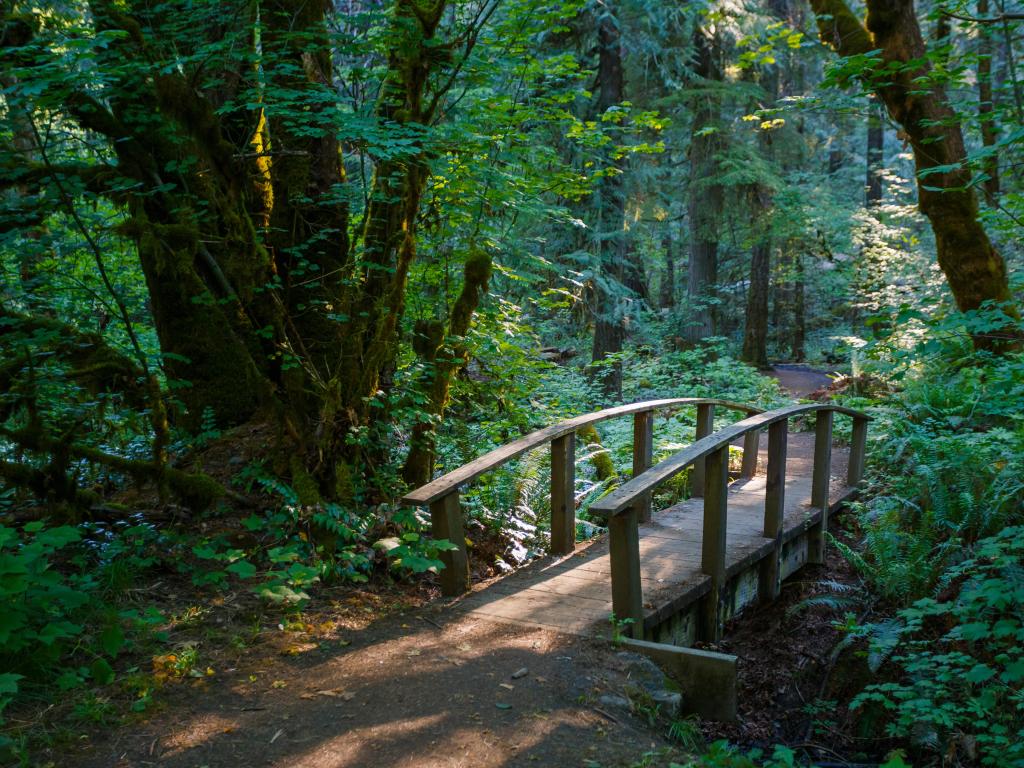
(675, 576)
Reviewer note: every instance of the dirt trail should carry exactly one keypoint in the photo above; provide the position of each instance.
(412, 690)
(799, 380)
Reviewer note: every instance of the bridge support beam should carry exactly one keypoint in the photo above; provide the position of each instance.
(751, 445)
(770, 583)
(624, 554)
(446, 522)
(821, 479)
(643, 455)
(716, 505)
(858, 447)
(705, 425)
(563, 494)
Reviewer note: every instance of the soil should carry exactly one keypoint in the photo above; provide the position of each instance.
(409, 690)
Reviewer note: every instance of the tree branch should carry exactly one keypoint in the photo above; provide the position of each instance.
(840, 28)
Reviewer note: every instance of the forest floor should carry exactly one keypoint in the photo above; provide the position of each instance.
(392, 679)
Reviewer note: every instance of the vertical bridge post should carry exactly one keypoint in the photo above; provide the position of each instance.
(624, 553)
(563, 494)
(774, 507)
(705, 425)
(446, 522)
(712, 562)
(751, 445)
(643, 455)
(820, 481)
(858, 446)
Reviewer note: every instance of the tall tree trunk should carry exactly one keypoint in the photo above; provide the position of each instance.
(667, 294)
(875, 157)
(986, 108)
(975, 271)
(609, 304)
(705, 195)
(755, 329)
(755, 333)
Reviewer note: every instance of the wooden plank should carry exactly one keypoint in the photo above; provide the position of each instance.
(440, 487)
(563, 494)
(821, 480)
(705, 426)
(446, 523)
(716, 496)
(643, 455)
(624, 552)
(858, 446)
(774, 508)
(751, 443)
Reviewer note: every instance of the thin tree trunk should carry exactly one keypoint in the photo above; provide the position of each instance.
(875, 157)
(445, 354)
(667, 295)
(799, 311)
(755, 335)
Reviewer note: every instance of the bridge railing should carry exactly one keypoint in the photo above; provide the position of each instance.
(441, 496)
(623, 508)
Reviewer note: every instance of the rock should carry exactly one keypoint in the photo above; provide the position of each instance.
(520, 673)
(643, 672)
(670, 702)
(615, 702)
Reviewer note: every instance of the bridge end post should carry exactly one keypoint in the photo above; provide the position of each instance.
(705, 426)
(624, 553)
(643, 454)
(713, 544)
(821, 479)
(563, 494)
(770, 585)
(446, 522)
(858, 447)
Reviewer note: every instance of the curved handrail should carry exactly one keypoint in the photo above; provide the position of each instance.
(442, 486)
(629, 493)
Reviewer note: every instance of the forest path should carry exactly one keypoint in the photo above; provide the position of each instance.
(421, 689)
(799, 380)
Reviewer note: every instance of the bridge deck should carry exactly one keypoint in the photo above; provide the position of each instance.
(573, 593)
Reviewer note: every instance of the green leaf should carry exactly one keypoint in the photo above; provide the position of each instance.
(112, 640)
(979, 673)
(101, 671)
(242, 568)
(9, 682)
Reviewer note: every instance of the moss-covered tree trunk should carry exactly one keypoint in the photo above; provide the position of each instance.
(226, 163)
(444, 353)
(975, 271)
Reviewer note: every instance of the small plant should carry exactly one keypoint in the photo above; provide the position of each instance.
(620, 628)
(687, 734)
